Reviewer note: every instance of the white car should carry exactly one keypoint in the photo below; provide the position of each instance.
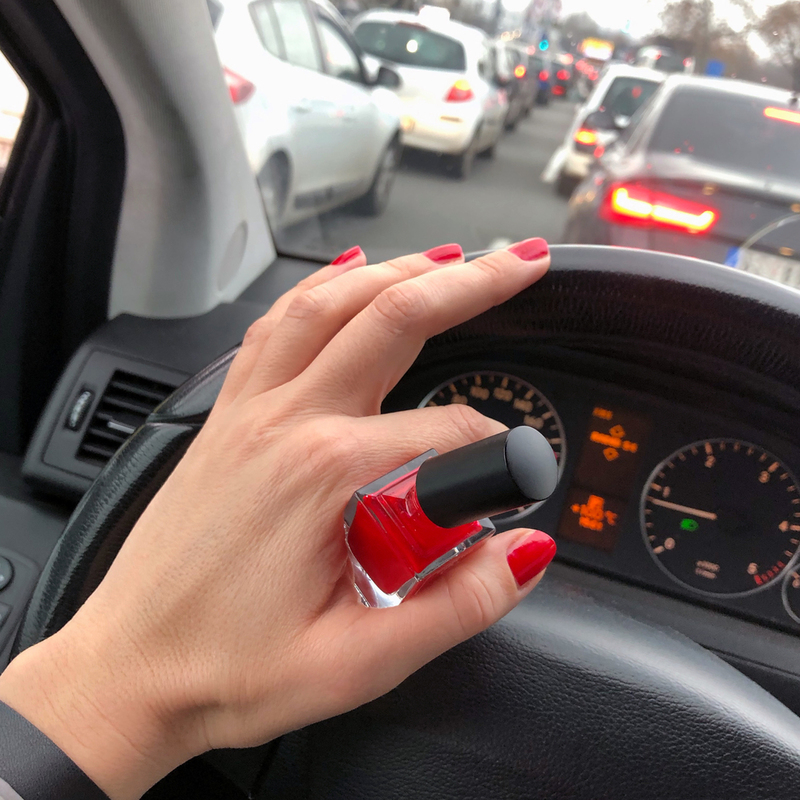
(620, 91)
(318, 127)
(452, 100)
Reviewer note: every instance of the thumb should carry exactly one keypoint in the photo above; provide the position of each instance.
(480, 589)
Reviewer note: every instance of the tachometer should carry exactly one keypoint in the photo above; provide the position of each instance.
(722, 516)
(509, 400)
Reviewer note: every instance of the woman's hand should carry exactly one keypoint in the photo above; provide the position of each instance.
(229, 616)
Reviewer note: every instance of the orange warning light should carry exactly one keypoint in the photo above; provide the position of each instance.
(593, 514)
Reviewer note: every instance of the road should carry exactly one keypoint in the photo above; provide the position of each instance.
(503, 201)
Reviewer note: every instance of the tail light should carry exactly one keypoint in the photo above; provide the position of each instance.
(459, 92)
(544, 75)
(520, 71)
(626, 203)
(562, 75)
(782, 114)
(558, 90)
(240, 88)
(599, 151)
(586, 136)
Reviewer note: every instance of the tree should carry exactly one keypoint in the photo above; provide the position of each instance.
(780, 29)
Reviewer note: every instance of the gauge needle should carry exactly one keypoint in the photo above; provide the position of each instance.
(695, 512)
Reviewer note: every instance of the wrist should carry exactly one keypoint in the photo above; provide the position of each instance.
(100, 711)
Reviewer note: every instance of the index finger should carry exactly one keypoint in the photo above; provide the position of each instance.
(362, 363)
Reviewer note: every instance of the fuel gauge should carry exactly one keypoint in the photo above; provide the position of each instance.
(791, 593)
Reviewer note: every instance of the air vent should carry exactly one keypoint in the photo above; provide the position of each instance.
(126, 402)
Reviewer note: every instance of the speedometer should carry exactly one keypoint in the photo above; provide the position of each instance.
(508, 399)
(722, 516)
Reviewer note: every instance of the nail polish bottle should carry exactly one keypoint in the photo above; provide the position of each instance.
(404, 527)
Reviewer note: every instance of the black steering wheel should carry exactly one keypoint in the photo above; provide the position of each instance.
(567, 697)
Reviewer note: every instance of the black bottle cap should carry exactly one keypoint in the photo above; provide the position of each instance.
(488, 477)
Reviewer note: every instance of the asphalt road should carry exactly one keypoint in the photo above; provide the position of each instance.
(503, 201)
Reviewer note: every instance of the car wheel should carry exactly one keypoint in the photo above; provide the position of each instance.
(374, 202)
(460, 166)
(274, 183)
(566, 184)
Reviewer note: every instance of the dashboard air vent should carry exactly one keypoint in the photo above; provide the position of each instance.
(126, 402)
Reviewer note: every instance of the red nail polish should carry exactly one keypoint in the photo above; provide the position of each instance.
(530, 249)
(530, 556)
(348, 255)
(407, 525)
(444, 253)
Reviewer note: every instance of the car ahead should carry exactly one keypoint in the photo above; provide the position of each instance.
(525, 74)
(542, 66)
(661, 58)
(619, 93)
(453, 103)
(319, 129)
(673, 183)
(563, 64)
(506, 69)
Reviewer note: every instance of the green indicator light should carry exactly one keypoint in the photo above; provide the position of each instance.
(689, 524)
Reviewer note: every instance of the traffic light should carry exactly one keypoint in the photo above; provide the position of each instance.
(544, 44)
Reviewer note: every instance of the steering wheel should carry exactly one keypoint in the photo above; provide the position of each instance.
(567, 697)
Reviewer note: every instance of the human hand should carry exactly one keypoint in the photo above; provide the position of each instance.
(229, 616)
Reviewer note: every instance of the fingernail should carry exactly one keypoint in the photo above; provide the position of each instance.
(527, 558)
(445, 253)
(348, 255)
(530, 249)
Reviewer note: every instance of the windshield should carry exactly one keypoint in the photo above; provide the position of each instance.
(740, 133)
(397, 127)
(416, 47)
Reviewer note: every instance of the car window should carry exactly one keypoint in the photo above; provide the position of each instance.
(625, 95)
(407, 44)
(297, 34)
(267, 27)
(741, 133)
(13, 100)
(340, 60)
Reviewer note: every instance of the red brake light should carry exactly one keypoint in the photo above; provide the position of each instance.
(628, 203)
(459, 92)
(562, 75)
(520, 71)
(558, 90)
(599, 151)
(585, 136)
(544, 75)
(782, 114)
(240, 88)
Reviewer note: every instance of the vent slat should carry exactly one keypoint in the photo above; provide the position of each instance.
(126, 403)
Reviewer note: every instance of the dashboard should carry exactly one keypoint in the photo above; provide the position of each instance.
(657, 492)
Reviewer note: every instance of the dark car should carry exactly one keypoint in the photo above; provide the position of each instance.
(504, 63)
(701, 169)
(564, 66)
(542, 66)
(526, 75)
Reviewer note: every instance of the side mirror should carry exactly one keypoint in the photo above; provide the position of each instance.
(621, 122)
(388, 77)
(372, 66)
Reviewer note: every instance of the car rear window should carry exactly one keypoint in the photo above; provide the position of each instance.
(626, 95)
(412, 45)
(743, 133)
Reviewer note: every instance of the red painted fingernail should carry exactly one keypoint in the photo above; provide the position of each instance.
(445, 253)
(528, 557)
(348, 255)
(530, 249)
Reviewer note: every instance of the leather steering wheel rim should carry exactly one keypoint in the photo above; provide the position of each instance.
(567, 698)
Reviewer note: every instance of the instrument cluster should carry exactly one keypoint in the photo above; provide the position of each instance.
(670, 496)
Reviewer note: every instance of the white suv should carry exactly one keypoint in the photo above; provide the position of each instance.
(318, 128)
(452, 101)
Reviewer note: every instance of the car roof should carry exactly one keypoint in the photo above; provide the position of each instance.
(629, 71)
(456, 30)
(731, 87)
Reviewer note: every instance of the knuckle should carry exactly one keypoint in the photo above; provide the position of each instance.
(310, 304)
(401, 306)
(328, 443)
(257, 332)
(475, 602)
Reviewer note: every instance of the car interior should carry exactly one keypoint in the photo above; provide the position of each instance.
(658, 658)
